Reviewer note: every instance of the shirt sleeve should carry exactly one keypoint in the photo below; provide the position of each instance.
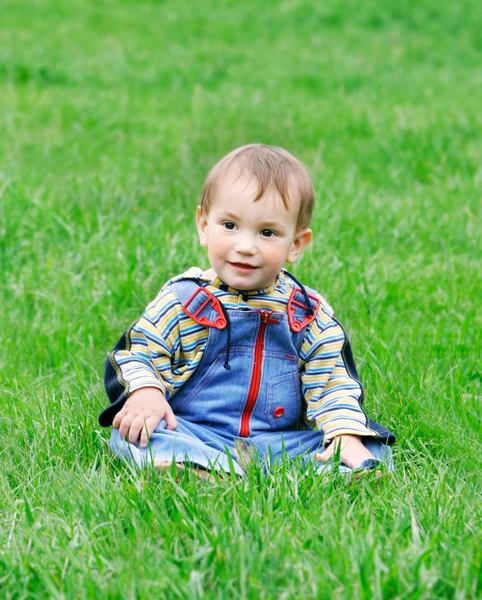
(330, 384)
(145, 354)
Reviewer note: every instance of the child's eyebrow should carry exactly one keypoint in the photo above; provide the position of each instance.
(273, 225)
(229, 215)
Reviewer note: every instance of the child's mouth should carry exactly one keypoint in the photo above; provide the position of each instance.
(243, 267)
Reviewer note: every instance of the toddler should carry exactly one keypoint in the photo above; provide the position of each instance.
(242, 359)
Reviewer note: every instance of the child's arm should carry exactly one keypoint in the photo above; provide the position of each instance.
(143, 361)
(352, 451)
(142, 413)
(332, 390)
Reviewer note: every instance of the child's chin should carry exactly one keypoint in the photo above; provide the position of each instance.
(240, 283)
(246, 286)
(245, 282)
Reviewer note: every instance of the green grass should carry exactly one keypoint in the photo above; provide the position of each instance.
(111, 113)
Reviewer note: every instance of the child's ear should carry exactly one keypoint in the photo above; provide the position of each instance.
(302, 239)
(202, 226)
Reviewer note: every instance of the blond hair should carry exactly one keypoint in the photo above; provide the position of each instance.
(272, 167)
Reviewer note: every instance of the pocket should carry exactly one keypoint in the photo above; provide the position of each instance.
(283, 403)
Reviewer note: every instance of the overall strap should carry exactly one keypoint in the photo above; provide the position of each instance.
(199, 303)
(299, 313)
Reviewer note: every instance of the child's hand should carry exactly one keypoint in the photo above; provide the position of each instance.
(352, 451)
(142, 413)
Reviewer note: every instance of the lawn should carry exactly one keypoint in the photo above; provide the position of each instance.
(111, 113)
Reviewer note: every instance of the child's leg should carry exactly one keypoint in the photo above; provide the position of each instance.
(189, 443)
(272, 446)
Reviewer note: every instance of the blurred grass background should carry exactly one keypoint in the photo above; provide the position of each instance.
(111, 113)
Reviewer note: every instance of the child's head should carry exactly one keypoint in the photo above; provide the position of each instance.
(254, 214)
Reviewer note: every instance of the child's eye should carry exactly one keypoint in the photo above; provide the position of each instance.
(267, 233)
(229, 225)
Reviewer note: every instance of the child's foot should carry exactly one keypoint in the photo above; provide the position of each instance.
(198, 473)
(369, 467)
(375, 474)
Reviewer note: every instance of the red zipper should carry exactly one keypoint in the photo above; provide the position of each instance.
(255, 374)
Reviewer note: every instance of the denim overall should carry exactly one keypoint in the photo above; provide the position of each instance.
(245, 396)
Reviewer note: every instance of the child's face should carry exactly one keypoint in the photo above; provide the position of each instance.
(248, 242)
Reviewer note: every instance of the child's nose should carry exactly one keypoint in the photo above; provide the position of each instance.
(245, 245)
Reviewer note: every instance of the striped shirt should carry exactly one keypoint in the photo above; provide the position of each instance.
(164, 348)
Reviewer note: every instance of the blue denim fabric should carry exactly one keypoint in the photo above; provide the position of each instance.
(209, 449)
(209, 407)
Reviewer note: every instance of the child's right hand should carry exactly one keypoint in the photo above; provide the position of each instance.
(141, 414)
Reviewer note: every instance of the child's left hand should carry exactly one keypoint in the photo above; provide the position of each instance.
(352, 451)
